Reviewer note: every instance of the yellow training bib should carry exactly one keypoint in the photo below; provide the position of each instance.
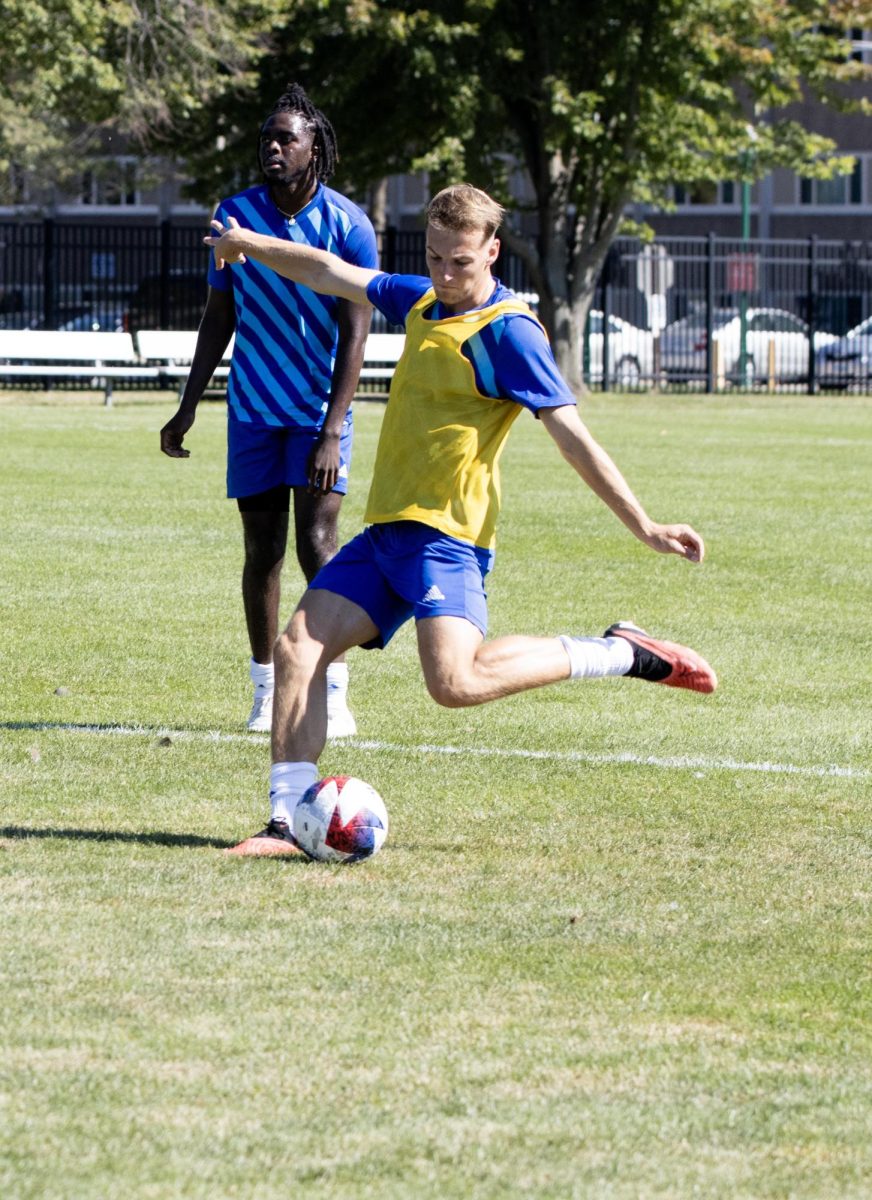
(438, 455)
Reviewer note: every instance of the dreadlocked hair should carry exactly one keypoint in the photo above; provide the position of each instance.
(294, 99)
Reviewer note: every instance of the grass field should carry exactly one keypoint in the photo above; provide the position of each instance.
(618, 943)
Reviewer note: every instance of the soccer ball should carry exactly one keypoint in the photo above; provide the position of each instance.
(340, 819)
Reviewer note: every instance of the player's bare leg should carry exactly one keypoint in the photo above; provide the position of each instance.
(316, 518)
(325, 625)
(322, 629)
(265, 536)
(461, 669)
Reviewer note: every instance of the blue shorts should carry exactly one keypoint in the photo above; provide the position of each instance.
(260, 457)
(405, 569)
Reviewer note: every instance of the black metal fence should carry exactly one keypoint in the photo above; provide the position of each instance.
(702, 313)
(717, 313)
(60, 275)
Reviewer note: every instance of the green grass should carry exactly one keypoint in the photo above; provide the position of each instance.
(565, 975)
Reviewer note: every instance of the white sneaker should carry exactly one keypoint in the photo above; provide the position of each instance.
(341, 723)
(260, 717)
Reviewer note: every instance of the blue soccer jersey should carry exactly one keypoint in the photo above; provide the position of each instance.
(286, 334)
(510, 356)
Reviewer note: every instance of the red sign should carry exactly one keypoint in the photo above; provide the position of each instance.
(742, 273)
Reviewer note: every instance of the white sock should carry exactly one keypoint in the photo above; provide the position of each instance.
(337, 686)
(593, 658)
(262, 675)
(287, 783)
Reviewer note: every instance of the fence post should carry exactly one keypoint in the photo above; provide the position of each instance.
(607, 304)
(710, 314)
(389, 250)
(164, 303)
(49, 275)
(812, 315)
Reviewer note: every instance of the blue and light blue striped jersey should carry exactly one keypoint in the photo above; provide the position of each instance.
(511, 357)
(286, 334)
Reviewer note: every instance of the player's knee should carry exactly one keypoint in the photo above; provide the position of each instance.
(296, 652)
(265, 542)
(264, 558)
(312, 556)
(449, 693)
(316, 545)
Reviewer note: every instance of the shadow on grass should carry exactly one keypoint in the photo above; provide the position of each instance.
(185, 840)
(129, 730)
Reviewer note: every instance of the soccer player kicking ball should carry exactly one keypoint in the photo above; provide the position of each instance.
(474, 357)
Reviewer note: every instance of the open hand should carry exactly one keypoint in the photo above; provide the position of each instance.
(222, 242)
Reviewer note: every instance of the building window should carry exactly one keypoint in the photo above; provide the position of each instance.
(111, 183)
(841, 189)
(861, 42)
(723, 193)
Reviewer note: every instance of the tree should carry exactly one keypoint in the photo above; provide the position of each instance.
(76, 74)
(595, 105)
(599, 104)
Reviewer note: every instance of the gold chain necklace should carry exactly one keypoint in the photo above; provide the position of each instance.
(290, 217)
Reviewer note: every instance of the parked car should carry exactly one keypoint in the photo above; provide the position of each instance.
(631, 351)
(13, 309)
(110, 319)
(683, 346)
(847, 361)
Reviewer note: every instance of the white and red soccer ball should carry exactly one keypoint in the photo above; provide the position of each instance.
(340, 819)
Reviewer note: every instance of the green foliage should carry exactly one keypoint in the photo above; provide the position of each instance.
(596, 105)
(600, 104)
(566, 975)
(74, 74)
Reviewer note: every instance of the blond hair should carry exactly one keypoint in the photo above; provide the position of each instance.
(462, 207)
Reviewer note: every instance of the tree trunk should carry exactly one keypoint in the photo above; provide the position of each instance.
(563, 306)
(378, 205)
(567, 341)
(565, 260)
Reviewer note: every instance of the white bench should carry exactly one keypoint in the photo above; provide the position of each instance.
(381, 356)
(172, 350)
(50, 354)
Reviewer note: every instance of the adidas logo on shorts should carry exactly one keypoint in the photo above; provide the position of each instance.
(433, 593)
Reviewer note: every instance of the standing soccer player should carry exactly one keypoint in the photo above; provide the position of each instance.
(475, 356)
(293, 373)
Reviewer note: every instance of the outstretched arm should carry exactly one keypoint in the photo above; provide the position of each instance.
(316, 269)
(596, 468)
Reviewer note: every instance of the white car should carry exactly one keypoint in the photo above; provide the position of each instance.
(847, 361)
(631, 352)
(683, 346)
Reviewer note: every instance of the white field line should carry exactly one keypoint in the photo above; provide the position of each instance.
(625, 758)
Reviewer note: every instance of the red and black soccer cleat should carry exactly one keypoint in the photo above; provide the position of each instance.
(664, 662)
(273, 841)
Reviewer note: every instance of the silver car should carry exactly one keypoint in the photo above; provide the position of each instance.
(776, 347)
(847, 362)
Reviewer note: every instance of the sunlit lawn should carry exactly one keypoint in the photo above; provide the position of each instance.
(618, 942)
